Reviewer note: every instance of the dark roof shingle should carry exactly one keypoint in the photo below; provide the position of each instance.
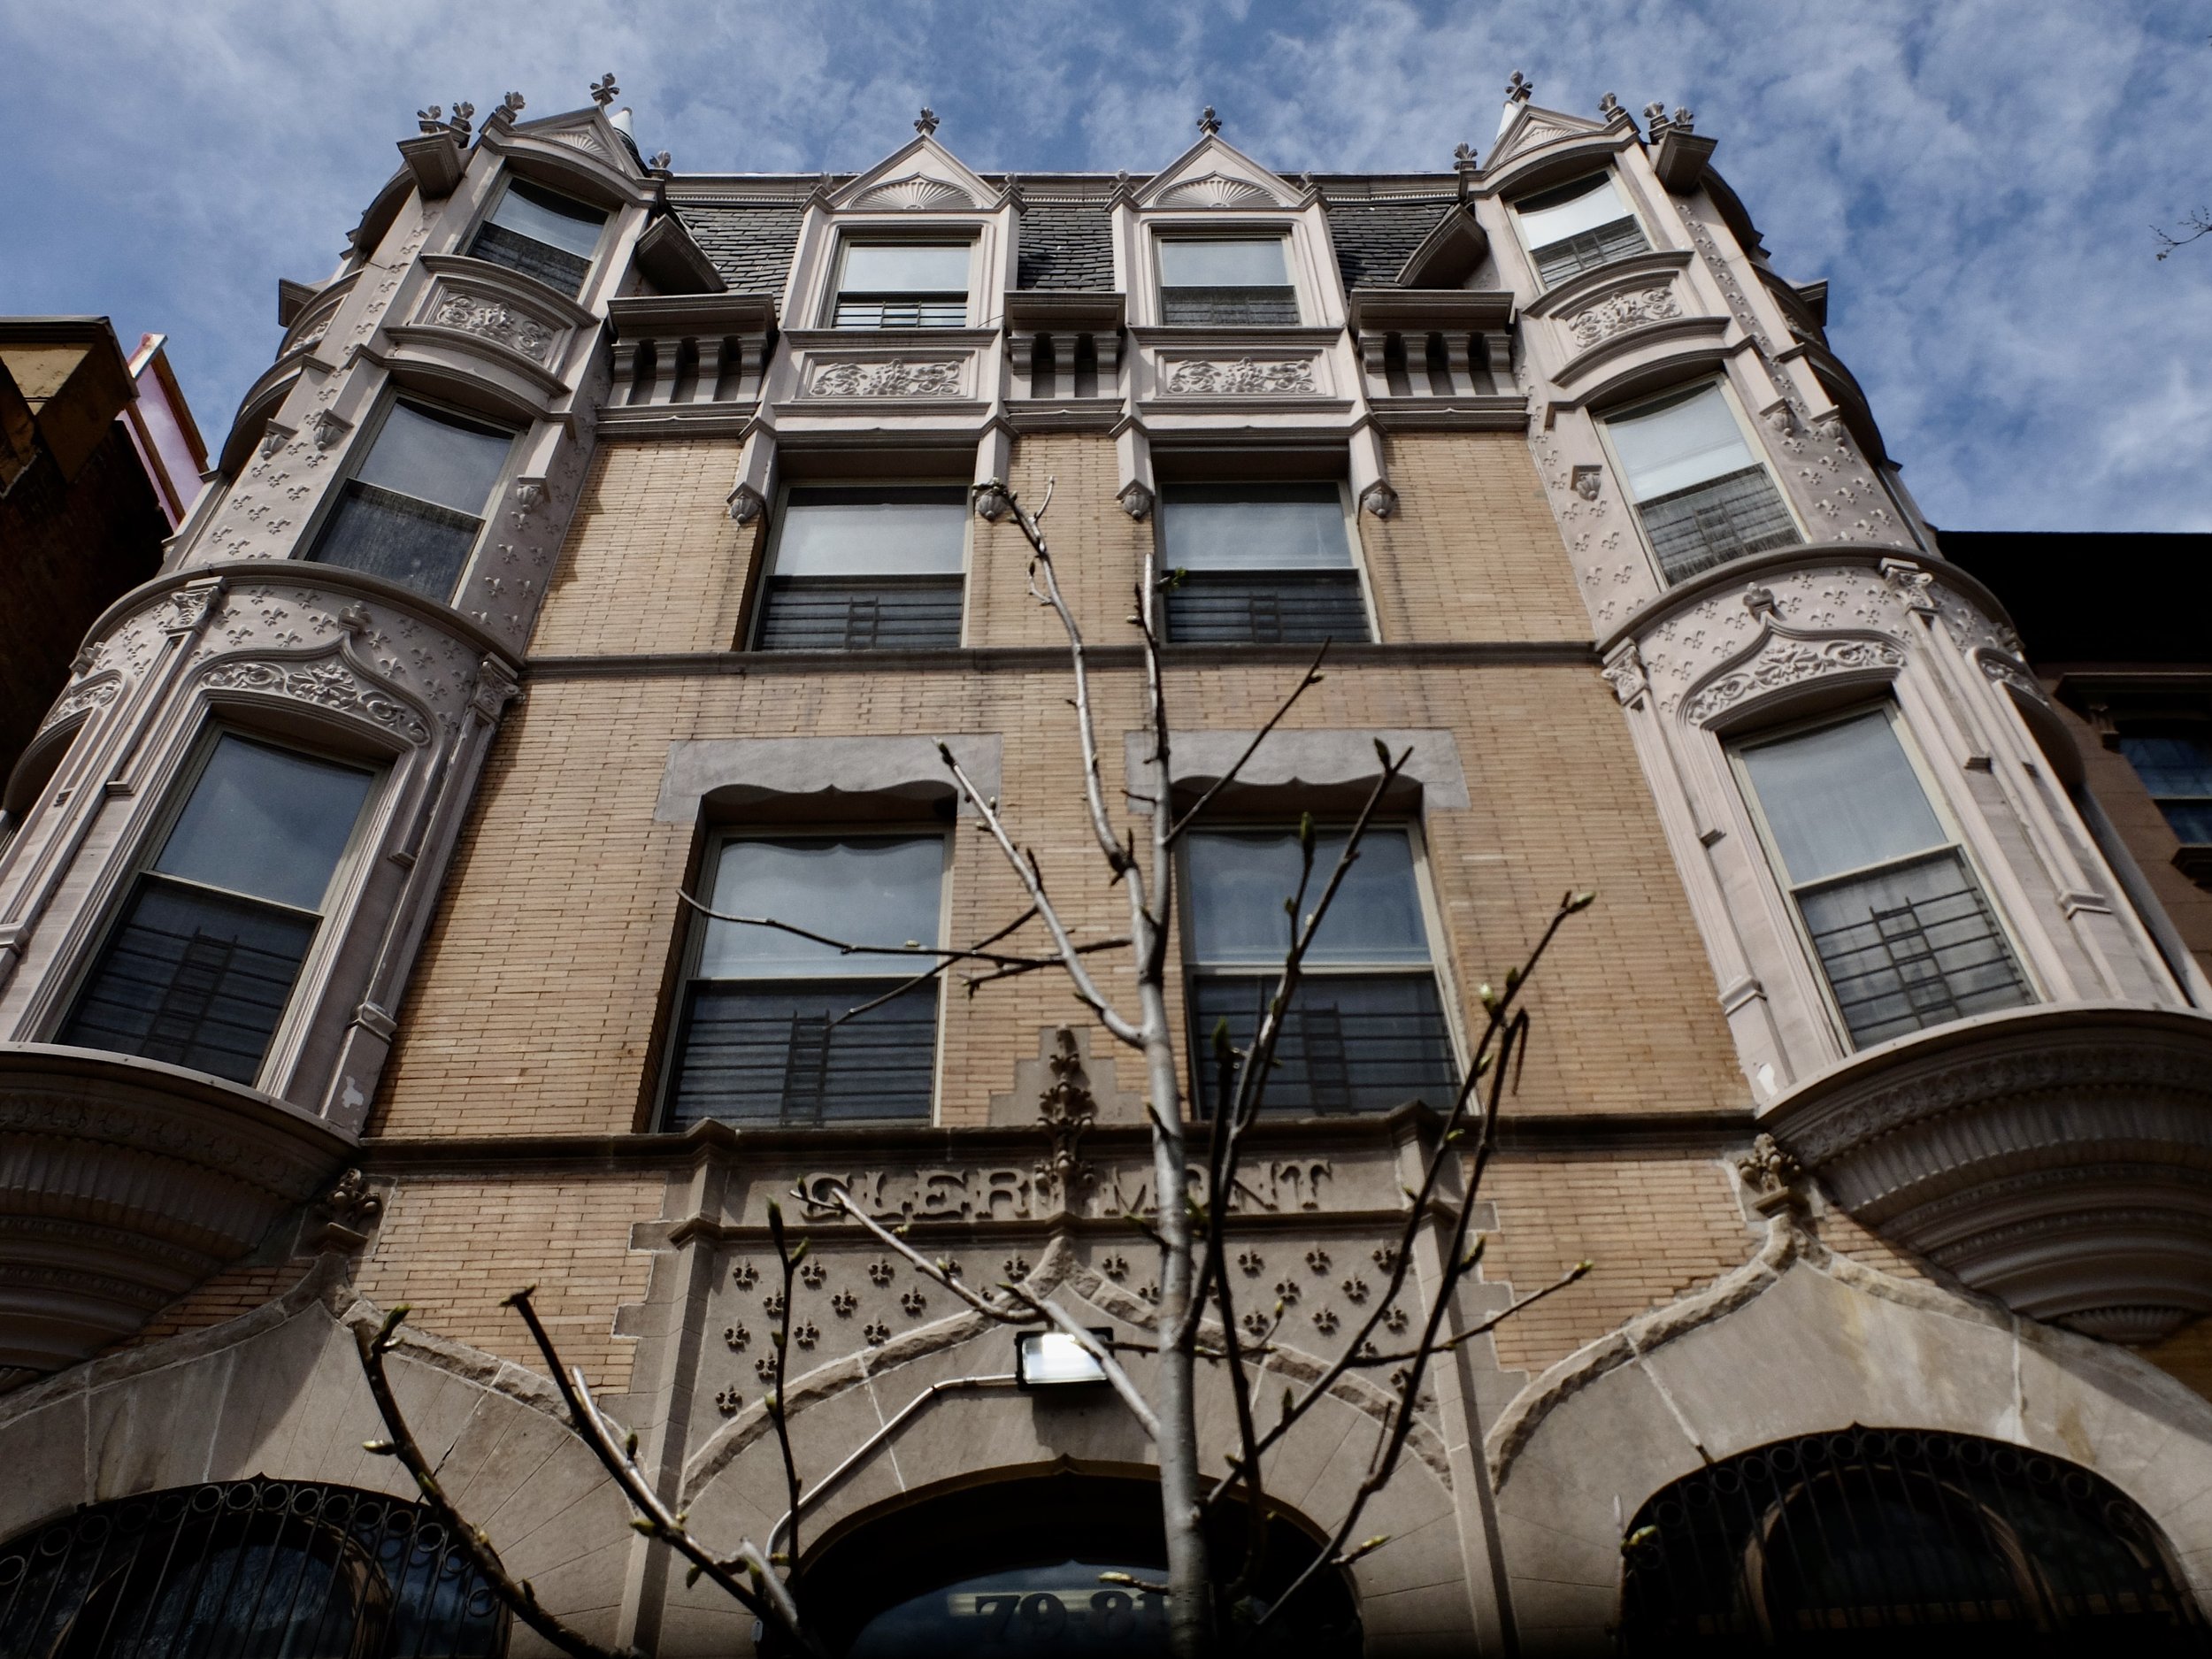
(1067, 247)
(1375, 239)
(750, 246)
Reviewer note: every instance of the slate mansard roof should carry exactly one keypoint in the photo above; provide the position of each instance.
(1065, 246)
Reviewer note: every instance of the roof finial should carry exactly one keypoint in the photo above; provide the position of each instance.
(604, 90)
(1655, 117)
(1519, 88)
(1608, 105)
(1209, 123)
(1466, 166)
(928, 123)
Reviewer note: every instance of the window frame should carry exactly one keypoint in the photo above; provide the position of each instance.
(1786, 887)
(1355, 550)
(610, 218)
(362, 446)
(1428, 904)
(755, 619)
(882, 234)
(339, 893)
(1283, 235)
(1604, 418)
(1611, 175)
(715, 837)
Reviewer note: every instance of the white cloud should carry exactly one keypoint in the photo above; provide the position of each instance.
(1976, 179)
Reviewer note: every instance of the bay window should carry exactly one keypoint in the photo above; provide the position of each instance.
(1367, 1029)
(1891, 906)
(866, 569)
(1578, 227)
(541, 233)
(902, 285)
(1701, 495)
(1261, 565)
(199, 967)
(767, 1032)
(413, 509)
(1226, 281)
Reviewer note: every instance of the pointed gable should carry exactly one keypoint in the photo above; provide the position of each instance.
(1213, 173)
(1528, 127)
(589, 132)
(920, 174)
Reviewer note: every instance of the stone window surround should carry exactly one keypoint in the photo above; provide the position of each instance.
(610, 228)
(843, 232)
(755, 603)
(1239, 470)
(1327, 770)
(1304, 239)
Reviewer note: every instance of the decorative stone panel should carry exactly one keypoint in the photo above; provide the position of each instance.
(2058, 1157)
(1606, 315)
(1238, 377)
(123, 1183)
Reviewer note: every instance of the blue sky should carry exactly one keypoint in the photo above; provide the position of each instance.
(1977, 178)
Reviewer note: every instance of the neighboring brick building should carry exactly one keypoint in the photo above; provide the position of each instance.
(601, 533)
(99, 461)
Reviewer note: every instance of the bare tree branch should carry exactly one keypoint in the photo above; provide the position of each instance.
(520, 1598)
(1311, 678)
(2198, 223)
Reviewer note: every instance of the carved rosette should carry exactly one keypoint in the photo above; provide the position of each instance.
(2058, 1157)
(1241, 377)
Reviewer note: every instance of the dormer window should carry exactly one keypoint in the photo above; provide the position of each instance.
(1229, 281)
(902, 285)
(541, 233)
(1578, 227)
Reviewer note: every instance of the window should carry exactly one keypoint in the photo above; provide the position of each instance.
(541, 233)
(865, 570)
(1226, 282)
(412, 513)
(1366, 1031)
(248, 1567)
(2176, 768)
(1578, 227)
(1893, 912)
(904, 285)
(1262, 563)
(1704, 497)
(763, 1036)
(200, 967)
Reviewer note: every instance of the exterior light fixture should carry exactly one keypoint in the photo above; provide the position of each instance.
(1053, 1359)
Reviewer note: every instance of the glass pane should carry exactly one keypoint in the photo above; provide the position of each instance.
(866, 890)
(1255, 527)
(267, 822)
(2191, 821)
(554, 220)
(1247, 262)
(1842, 798)
(1350, 1042)
(789, 1056)
(920, 531)
(434, 459)
(382, 533)
(1673, 445)
(2171, 766)
(1911, 947)
(192, 978)
(1240, 881)
(1556, 215)
(905, 267)
(552, 266)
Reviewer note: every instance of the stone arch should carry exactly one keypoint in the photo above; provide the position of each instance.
(1802, 1341)
(278, 1392)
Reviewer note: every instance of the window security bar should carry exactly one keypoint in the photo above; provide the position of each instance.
(865, 614)
(1229, 307)
(1349, 1043)
(1931, 959)
(253, 1567)
(1724, 518)
(783, 1055)
(1266, 608)
(891, 311)
(1951, 1543)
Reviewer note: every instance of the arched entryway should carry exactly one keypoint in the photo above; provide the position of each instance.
(249, 1570)
(1012, 1567)
(1900, 1542)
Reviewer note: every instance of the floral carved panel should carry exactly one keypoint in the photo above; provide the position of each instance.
(1208, 377)
(902, 377)
(1617, 312)
(492, 316)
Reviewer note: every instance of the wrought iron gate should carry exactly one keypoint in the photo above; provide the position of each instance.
(246, 1570)
(1921, 1542)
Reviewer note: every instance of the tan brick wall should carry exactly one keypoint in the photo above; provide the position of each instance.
(652, 562)
(224, 1296)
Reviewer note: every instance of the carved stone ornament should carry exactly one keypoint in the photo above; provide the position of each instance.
(326, 682)
(927, 123)
(351, 1204)
(2007, 670)
(329, 427)
(1617, 312)
(496, 320)
(1379, 499)
(97, 693)
(900, 378)
(274, 438)
(1064, 1113)
(1203, 376)
(746, 504)
(1625, 672)
(2058, 1157)
(1136, 500)
(1214, 190)
(915, 191)
(1787, 662)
